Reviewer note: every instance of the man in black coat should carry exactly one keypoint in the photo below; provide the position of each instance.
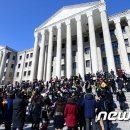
(121, 98)
(128, 85)
(19, 111)
(120, 83)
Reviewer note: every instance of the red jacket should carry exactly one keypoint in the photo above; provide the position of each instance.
(70, 113)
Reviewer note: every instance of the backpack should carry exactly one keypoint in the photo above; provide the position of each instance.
(107, 105)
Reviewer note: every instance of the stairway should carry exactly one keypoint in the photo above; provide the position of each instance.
(122, 125)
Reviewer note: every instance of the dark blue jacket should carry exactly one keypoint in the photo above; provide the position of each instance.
(9, 112)
(89, 106)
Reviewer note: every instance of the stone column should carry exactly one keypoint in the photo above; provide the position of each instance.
(35, 57)
(107, 40)
(45, 63)
(128, 20)
(1, 56)
(41, 58)
(122, 47)
(3, 60)
(80, 47)
(99, 58)
(93, 46)
(58, 52)
(68, 50)
(50, 52)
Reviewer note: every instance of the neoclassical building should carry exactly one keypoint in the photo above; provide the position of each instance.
(7, 64)
(79, 39)
(76, 40)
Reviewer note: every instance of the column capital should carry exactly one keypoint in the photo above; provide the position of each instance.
(58, 25)
(50, 29)
(36, 34)
(67, 22)
(89, 13)
(102, 8)
(78, 18)
(128, 17)
(117, 20)
(43, 32)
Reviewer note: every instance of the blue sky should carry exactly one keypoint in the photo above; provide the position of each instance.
(19, 18)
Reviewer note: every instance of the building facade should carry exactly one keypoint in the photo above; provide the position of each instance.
(24, 66)
(7, 64)
(78, 39)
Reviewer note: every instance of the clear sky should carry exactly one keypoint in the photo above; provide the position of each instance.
(19, 18)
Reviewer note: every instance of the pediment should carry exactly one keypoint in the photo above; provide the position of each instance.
(67, 11)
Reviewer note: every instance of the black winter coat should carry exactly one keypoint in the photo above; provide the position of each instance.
(128, 85)
(19, 112)
(121, 97)
(120, 83)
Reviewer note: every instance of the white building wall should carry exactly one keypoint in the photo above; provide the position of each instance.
(7, 65)
(23, 68)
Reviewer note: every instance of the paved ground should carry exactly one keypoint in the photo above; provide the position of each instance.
(120, 125)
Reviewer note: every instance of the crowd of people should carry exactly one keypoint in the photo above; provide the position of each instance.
(69, 102)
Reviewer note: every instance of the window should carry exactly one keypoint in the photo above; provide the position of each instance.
(102, 47)
(25, 72)
(52, 69)
(8, 55)
(53, 48)
(29, 72)
(74, 65)
(20, 58)
(115, 45)
(104, 60)
(17, 75)
(117, 59)
(63, 56)
(87, 63)
(31, 55)
(4, 73)
(74, 42)
(86, 39)
(63, 45)
(19, 65)
(30, 63)
(62, 67)
(27, 56)
(26, 64)
(12, 66)
(74, 53)
(129, 56)
(126, 42)
(87, 50)
(123, 29)
(52, 58)
(13, 58)
(101, 35)
(6, 65)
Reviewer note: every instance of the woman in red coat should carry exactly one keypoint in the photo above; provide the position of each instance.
(70, 113)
